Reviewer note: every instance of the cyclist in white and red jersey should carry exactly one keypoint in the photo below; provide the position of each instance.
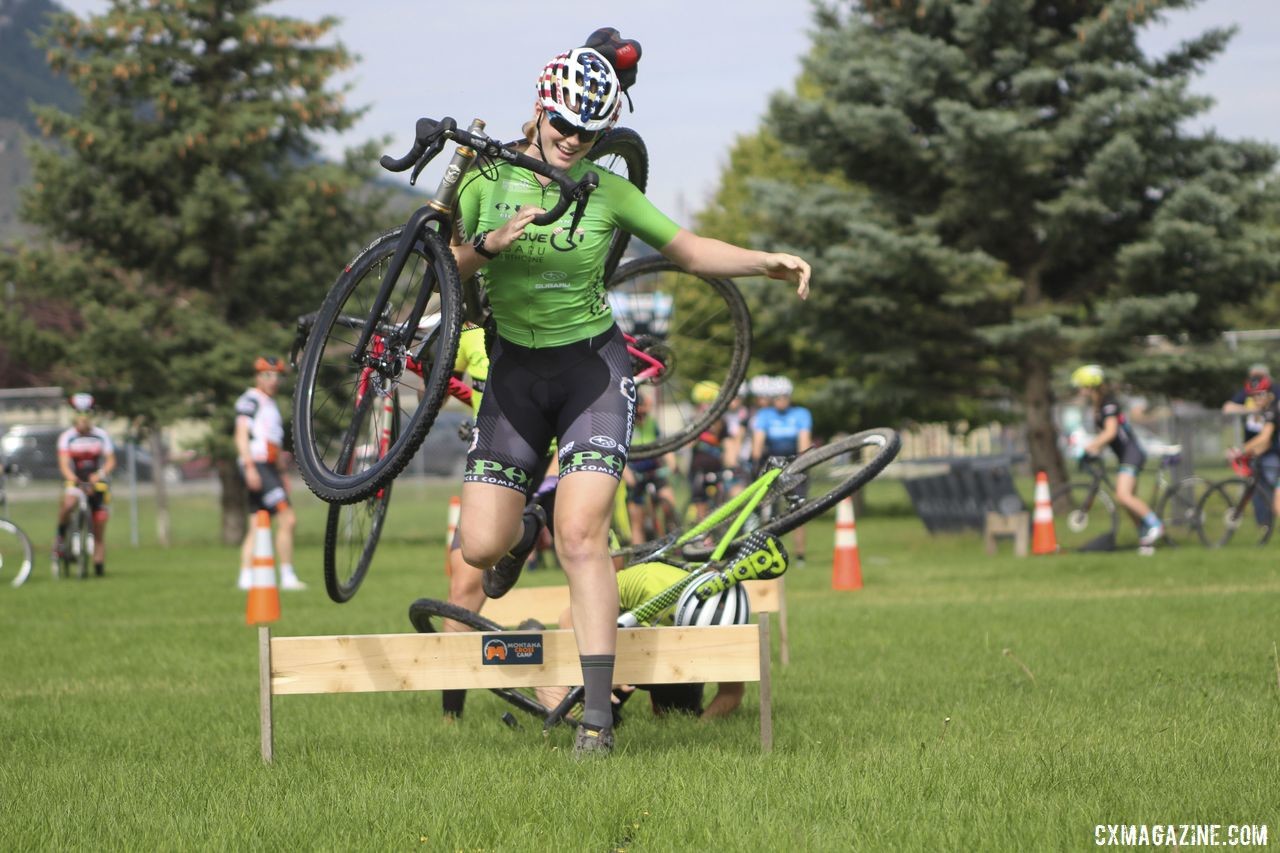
(86, 458)
(259, 438)
(560, 368)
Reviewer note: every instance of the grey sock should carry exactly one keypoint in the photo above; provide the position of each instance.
(597, 679)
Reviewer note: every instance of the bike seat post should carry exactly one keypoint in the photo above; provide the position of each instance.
(447, 192)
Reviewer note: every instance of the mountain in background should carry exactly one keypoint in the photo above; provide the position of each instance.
(24, 73)
(24, 78)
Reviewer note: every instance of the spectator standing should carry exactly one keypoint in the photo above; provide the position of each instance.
(259, 435)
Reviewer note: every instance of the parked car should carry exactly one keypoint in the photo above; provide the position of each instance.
(33, 450)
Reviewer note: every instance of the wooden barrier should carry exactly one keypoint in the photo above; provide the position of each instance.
(457, 661)
(546, 603)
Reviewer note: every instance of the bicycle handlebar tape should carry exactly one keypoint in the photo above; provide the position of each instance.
(846, 565)
(263, 605)
(1043, 539)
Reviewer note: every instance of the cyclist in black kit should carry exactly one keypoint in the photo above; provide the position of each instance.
(1114, 432)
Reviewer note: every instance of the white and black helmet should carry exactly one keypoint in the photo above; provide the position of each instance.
(728, 607)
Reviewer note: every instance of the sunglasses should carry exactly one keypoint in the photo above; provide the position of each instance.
(564, 128)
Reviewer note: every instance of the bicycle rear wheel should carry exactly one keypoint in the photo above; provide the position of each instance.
(422, 613)
(698, 328)
(352, 530)
(1178, 510)
(1225, 515)
(410, 354)
(622, 152)
(16, 553)
(1084, 515)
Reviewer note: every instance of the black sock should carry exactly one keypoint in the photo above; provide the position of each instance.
(529, 536)
(452, 701)
(597, 679)
(99, 568)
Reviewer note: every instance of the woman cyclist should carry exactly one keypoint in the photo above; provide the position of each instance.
(1114, 432)
(560, 368)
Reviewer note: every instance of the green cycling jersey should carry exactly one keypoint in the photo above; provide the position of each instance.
(545, 288)
(641, 582)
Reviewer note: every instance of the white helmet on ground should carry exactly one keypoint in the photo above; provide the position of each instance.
(582, 88)
(727, 607)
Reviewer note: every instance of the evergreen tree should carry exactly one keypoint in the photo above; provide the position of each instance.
(1023, 193)
(187, 193)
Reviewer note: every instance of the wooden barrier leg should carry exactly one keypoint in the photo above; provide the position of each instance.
(785, 650)
(766, 692)
(264, 688)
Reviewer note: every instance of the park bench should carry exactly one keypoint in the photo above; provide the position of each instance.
(968, 493)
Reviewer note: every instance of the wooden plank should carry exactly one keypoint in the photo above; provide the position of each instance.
(547, 603)
(544, 603)
(783, 642)
(264, 691)
(766, 687)
(393, 662)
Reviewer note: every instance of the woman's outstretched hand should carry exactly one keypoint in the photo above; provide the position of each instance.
(789, 268)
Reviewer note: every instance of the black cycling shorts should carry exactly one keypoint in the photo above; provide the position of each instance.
(272, 494)
(581, 394)
(1131, 457)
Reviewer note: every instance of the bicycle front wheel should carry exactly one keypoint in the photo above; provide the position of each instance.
(427, 616)
(77, 547)
(1226, 516)
(410, 354)
(1084, 515)
(818, 479)
(352, 531)
(16, 554)
(694, 329)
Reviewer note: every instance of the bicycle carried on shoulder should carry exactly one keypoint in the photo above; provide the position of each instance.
(723, 544)
(16, 553)
(405, 290)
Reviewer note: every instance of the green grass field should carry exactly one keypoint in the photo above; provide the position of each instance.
(1080, 690)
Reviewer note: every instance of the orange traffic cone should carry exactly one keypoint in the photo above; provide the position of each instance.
(846, 566)
(455, 510)
(263, 606)
(1043, 539)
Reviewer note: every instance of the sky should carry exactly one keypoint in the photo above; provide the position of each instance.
(707, 72)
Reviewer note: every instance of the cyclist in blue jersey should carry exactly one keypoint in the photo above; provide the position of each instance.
(1115, 432)
(559, 365)
(781, 429)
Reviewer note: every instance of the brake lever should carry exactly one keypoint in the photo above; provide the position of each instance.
(582, 192)
(437, 137)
